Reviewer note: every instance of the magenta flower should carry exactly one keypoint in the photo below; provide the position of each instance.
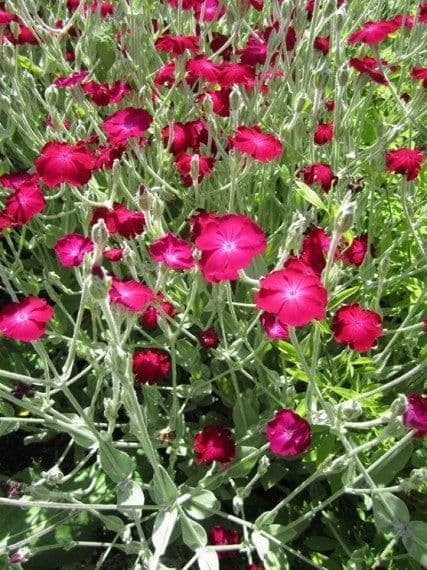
(324, 133)
(288, 433)
(214, 443)
(228, 243)
(172, 251)
(125, 124)
(273, 327)
(256, 143)
(131, 294)
(120, 220)
(25, 203)
(319, 173)
(71, 80)
(71, 249)
(295, 297)
(416, 414)
(405, 161)
(358, 328)
(61, 162)
(373, 33)
(176, 45)
(25, 320)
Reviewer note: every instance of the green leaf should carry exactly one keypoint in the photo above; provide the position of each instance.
(389, 512)
(241, 466)
(208, 560)
(25, 63)
(130, 494)
(276, 559)
(415, 541)
(339, 298)
(162, 530)
(116, 464)
(261, 543)
(162, 488)
(390, 469)
(193, 534)
(202, 504)
(112, 522)
(309, 195)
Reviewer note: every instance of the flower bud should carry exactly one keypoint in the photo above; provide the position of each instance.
(237, 504)
(4, 103)
(235, 99)
(351, 410)
(321, 77)
(399, 406)
(15, 29)
(100, 233)
(51, 95)
(343, 75)
(53, 476)
(194, 169)
(208, 338)
(345, 215)
(99, 283)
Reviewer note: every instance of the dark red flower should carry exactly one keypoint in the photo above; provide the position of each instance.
(106, 155)
(198, 221)
(151, 365)
(103, 94)
(253, 141)
(319, 173)
(71, 80)
(208, 338)
(422, 13)
(114, 254)
(71, 249)
(330, 105)
(131, 294)
(150, 316)
(183, 4)
(120, 220)
(6, 17)
(356, 253)
(220, 101)
(221, 536)
(235, 74)
(405, 161)
(373, 33)
(404, 20)
(25, 203)
(315, 247)
(368, 66)
(179, 140)
(228, 243)
(165, 76)
(415, 416)
(25, 320)
(15, 180)
(172, 251)
(358, 328)
(125, 124)
(254, 53)
(421, 74)
(61, 162)
(25, 36)
(214, 443)
(296, 298)
(321, 43)
(273, 327)
(201, 67)
(184, 161)
(324, 133)
(288, 433)
(176, 45)
(208, 10)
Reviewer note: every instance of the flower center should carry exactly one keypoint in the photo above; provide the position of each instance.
(228, 246)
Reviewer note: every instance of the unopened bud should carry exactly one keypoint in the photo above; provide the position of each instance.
(300, 102)
(263, 465)
(343, 75)
(15, 29)
(351, 410)
(345, 215)
(399, 405)
(321, 77)
(235, 99)
(194, 170)
(53, 476)
(99, 283)
(4, 102)
(51, 95)
(100, 233)
(146, 200)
